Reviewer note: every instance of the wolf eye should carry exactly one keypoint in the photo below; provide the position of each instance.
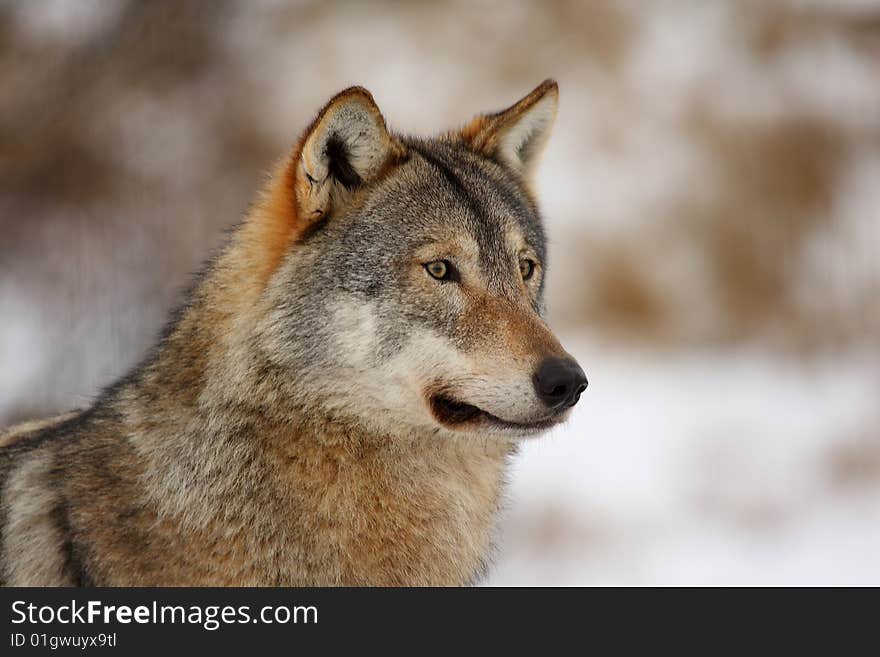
(526, 268)
(439, 269)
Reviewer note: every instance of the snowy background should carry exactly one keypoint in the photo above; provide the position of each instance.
(712, 196)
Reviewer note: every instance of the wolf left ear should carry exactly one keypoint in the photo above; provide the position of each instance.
(516, 136)
(346, 146)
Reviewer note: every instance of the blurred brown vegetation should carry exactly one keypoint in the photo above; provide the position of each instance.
(765, 198)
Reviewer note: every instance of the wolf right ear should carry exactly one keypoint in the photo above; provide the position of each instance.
(346, 146)
(517, 135)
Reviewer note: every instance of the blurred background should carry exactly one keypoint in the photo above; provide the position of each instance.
(711, 193)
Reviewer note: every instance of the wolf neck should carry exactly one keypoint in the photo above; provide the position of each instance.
(295, 500)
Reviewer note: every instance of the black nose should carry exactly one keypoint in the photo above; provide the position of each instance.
(559, 382)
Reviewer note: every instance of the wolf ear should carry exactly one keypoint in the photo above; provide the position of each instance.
(516, 136)
(346, 146)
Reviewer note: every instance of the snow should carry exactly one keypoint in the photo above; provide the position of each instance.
(697, 468)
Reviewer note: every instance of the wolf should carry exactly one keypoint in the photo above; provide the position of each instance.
(339, 397)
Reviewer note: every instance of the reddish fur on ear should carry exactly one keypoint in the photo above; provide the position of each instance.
(486, 133)
(276, 225)
(352, 121)
(292, 204)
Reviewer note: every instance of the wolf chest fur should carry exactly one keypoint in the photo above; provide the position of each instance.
(337, 401)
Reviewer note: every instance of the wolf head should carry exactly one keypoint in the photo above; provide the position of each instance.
(406, 290)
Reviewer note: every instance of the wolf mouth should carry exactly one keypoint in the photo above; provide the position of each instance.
(453, 413)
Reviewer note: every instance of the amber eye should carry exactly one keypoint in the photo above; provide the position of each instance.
(439, 269)
(526, 268)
